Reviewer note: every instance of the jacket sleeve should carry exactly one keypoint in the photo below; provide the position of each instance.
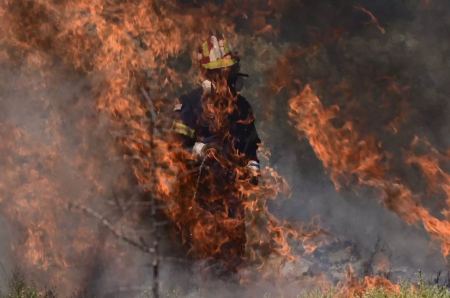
(250, 138)
(182, 125)
(252, 142)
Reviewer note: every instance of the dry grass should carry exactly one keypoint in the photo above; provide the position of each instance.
(407, 291)
(20, 289)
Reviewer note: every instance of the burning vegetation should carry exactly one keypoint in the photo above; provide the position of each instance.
(345, 96)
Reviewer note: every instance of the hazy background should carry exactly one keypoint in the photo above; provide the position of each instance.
(65, 150)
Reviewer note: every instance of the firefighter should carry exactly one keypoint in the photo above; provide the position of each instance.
(216, 119)
(215, 114)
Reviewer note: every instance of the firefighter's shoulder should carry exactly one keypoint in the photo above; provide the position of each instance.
(189, 99)
(244, 105)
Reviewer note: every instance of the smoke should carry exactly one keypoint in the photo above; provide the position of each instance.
(391, 84)
(58, 148)
(5, 257)
(387, 77)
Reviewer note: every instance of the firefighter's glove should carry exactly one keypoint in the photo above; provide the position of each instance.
(254, 170)
(207, 87)
(199, 149)
(253, 167)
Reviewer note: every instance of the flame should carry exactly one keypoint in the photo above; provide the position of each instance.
(29, 198)
(121, 47)
(431, 165)
(355, 287)
(350, 157)
(373, 18)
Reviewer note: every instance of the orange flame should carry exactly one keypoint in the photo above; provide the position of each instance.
(349, 157)
(121, 46)
(357, 288)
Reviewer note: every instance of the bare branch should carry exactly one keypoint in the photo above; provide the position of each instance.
(107, 224)
(373, 18)
(153, 205)
(151, 106)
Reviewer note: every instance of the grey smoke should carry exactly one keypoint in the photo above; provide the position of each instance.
(413, 52)
(56, 114)
(415, 49)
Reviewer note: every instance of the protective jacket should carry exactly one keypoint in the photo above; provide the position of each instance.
(191, 124)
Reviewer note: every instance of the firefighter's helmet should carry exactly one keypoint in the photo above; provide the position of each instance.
(216, 53)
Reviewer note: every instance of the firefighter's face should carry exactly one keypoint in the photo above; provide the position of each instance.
(215, 75)
(226, 75)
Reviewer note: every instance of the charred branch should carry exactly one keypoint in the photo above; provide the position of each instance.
(153, 205)
(108, 225)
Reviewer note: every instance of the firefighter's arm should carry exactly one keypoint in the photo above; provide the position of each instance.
(186, 136)
(181, 130)
(185, 133)
(252, 144)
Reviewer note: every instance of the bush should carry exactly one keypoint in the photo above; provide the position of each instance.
(18, 288)
(407, 291)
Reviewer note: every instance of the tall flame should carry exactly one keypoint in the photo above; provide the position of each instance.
(350, 157)
(123, 47)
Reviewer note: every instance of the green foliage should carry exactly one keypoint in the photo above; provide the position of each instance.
(18, 288)
(421, 290)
